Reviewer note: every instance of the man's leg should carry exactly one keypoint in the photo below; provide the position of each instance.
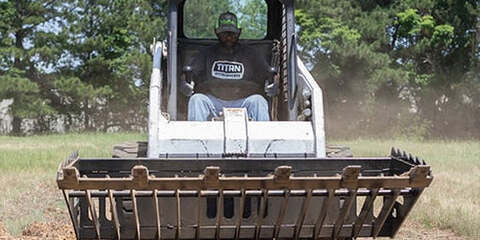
(200, 108)
(257, 107)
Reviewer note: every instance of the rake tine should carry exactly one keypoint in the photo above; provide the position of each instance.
(401, 215)
(397, 152)
(157, 213)
(344, 212)
(301, 217)
(135, 213)
(240, 215)
(386, 209)
(393, 152)
(349, 176)
(71, 212)
(199, 201)
(219, 214)
(114, 213)
(260, 216)
(178, 230)
(93, 213)
(281, 215)
(417, 161)
(411, 159)
(366, 209)
(323, 213)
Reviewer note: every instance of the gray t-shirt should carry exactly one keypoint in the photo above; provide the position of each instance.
(229, 75)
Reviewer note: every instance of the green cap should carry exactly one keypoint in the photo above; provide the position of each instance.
(227, 22)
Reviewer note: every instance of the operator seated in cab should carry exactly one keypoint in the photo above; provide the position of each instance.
(227, 74)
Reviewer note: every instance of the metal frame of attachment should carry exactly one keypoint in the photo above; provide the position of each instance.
(295, 200)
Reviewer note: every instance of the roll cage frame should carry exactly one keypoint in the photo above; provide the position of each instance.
(280, 26)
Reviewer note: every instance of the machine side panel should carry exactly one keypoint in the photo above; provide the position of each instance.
(318, 119)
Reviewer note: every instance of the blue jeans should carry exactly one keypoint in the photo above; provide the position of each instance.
(203, 107)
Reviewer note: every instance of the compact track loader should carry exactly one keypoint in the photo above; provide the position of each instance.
(232, 178)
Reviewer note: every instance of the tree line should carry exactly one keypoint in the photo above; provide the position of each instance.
(407, 67)
(85, 61)
(393, 67)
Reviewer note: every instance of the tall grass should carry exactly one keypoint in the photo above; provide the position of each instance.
(28, 191)
(44, 153)
(453, 199)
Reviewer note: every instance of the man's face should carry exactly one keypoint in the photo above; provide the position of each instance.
(228, 39)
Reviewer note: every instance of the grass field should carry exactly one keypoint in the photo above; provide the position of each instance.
(453, 200)
(28, 166)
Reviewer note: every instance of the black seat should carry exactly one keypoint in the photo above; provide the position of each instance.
(188, 48)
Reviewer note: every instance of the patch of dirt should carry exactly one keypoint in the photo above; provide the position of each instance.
(413, 230)
(49, 230)
(41, 231)
(63, 231)
(3, 232)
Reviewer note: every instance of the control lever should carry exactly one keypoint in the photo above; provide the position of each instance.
(188, 73)
(188, 85)
(271, 88)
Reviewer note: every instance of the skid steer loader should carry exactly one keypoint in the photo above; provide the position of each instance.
(234, 178)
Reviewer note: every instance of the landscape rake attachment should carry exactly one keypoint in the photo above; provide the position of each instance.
(241, 198)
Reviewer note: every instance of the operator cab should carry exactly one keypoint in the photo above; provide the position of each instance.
(297, 126)
(266, 27)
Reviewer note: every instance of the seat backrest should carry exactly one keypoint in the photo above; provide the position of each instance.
(187, 48)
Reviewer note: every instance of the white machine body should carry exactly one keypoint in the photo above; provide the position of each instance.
(235, 136)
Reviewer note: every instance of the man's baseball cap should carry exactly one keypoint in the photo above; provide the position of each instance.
(227, 22)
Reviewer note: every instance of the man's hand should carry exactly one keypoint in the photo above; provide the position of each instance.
(271, 89)
(187, 88)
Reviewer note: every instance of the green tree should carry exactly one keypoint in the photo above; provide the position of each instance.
(108, 43)
(26, 49)
(253, 18)
(435, 45)
(387, 62)
(201, 17)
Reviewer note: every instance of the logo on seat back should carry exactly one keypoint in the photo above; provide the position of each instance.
(227, 70)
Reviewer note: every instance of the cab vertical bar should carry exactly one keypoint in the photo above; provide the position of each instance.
(172, 59)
